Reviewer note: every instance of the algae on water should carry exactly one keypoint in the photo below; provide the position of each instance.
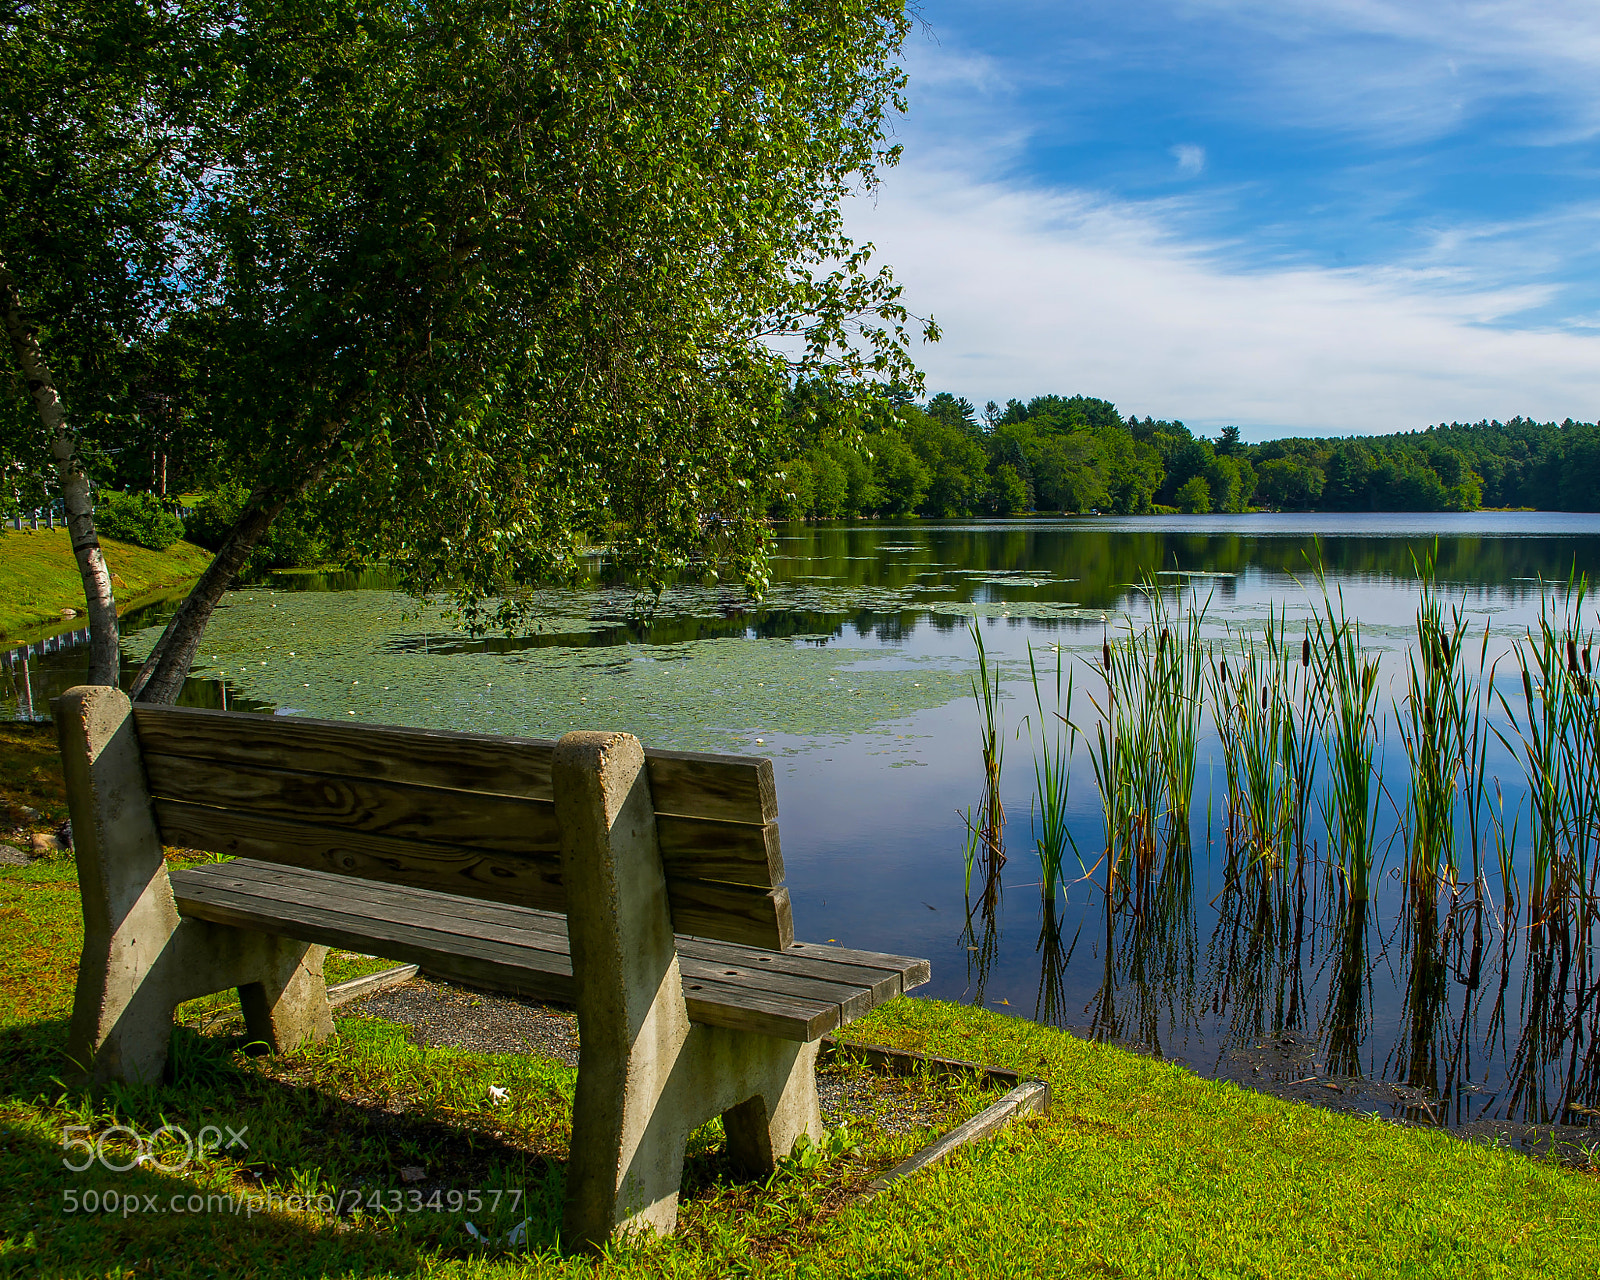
(374, 656)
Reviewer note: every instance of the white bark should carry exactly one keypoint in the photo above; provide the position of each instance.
(98, 594)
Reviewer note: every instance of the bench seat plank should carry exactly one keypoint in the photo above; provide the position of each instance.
(522, 968)
(917, 971)
(885, 976)
(797, 995)
(535, 930)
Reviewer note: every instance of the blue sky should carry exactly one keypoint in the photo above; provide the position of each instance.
(1299, 216)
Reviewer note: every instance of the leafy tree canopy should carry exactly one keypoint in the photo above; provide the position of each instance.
(487, 285)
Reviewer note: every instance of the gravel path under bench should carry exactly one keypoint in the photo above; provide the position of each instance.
(443, 1015)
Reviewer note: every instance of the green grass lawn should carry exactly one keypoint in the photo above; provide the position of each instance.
(1140, 1169)
(39, 575)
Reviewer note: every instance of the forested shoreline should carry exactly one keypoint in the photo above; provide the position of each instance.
(1066, 454)
(1077, 454)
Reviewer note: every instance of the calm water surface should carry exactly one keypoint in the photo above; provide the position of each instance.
(855, 675)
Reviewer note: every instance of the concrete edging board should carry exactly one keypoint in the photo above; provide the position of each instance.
(354, 988)
(1024, 1095)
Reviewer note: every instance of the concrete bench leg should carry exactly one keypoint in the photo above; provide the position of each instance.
(764, 1128)
(289, 1006)
(647, 1077)
(121, 1021)
(628, 1125)
(140, 958)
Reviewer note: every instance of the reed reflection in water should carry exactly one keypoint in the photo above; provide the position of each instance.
(1483, 909)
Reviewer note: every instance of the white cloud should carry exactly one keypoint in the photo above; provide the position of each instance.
(1408, 70)
(1191, 159)
(1039, 292)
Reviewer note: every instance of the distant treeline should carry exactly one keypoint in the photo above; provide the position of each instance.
(1078, 454)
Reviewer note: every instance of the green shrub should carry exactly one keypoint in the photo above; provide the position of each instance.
(136, 517)
(1194, 497)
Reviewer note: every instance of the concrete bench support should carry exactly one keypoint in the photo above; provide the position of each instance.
(140, 958)
(647, 1076)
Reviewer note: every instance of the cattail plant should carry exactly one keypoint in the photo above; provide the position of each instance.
(1223, 704)
(1302, 728)
(986, 690)
(1178, 672)
(1472, 750)
(1436, 699)
(1265, 722)
(1119, 751)
(1557, 742)
(1347, 684)
(1052, 770)
(1143, 746)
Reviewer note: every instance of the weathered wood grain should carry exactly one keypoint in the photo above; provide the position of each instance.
(533, 880)
(488, 916)
(701, 785)
(476, 762)
(850, 1001)
(737, 852)
(915, 969)
(731, 912)
(405, 811)
(398, 908)
(768, 1013)
(700, 848)
(724, 788)
(883, 982)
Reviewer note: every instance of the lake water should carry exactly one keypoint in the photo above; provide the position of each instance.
(855, 674)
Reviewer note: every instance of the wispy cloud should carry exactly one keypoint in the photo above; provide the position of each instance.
(1388, 224)
(1048, 292)
(1408, 70)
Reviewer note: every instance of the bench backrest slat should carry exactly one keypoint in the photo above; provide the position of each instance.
(469, 814)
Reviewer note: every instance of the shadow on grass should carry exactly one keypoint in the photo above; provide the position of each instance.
(298, 1181)
(302, 1179)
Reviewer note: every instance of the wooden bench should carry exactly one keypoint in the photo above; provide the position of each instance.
(645, 888)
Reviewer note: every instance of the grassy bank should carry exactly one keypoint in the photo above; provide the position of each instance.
(39, 575)
(1141, 1168)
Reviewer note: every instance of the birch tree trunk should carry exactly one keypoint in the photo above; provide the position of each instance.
(161, 678)
(99, 597)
